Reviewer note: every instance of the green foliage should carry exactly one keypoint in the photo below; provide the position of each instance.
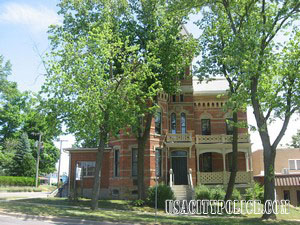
(296, 140)
(202, 192)
(23, 161)
(236, 195)
(138, 203)
(164, 192)
(217, 193)
(255, 193)
(17, 181)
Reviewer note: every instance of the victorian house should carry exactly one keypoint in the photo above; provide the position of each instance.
(189, 145)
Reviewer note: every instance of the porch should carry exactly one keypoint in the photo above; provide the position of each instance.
(214, 161)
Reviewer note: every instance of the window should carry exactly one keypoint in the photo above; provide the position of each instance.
(207, 162)
(229, 127)
(286, 195)
(205, 126)
(117, 162)
(181, 98)
(173, 123)
(174, 98)
(183, 123)
(158, 123)
(158, 159)
(87, 168)
(134, 162)
(294, 164)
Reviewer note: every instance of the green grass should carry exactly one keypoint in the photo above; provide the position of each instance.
(41, 188)
(122, 211)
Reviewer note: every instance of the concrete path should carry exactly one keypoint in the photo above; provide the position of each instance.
(20, 219)
(24, 194)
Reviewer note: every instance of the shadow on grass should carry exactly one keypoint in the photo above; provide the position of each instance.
(56, 207)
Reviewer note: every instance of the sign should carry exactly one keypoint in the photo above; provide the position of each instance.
(78, 173)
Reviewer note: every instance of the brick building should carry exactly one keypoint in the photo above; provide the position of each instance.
(287, 173)
(189, 144)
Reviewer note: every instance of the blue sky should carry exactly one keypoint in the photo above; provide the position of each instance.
(23, 38)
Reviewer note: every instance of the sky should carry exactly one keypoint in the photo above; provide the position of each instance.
(23, 40)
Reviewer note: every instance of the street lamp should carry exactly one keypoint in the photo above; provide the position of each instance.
(38, 158)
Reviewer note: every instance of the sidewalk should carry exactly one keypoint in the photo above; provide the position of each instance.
(30, 219)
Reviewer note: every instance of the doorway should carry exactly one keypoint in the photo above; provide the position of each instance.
(179, 166)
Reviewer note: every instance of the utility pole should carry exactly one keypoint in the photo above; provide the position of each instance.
(58, 173)
(38, 159)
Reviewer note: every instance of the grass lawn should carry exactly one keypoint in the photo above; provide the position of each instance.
(122, 211)
(41, 188)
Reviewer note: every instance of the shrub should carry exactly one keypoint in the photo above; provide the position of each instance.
(164, 192)
(217, 193)
(236, 195)
(255, 193)
(16, 181)
(202, 193)
(138, 203)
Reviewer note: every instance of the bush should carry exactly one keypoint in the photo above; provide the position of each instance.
(255, 193)
(138, 203)
(236, 195)
(203, 193)
(17, 181)
(217, 193)
(164, 192)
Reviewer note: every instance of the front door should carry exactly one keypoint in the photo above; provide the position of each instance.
(179, 166)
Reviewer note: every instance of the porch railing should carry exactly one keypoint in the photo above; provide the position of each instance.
(207, 139)
(179, 137)
(242, 177)
(171, 178)
(190, 179)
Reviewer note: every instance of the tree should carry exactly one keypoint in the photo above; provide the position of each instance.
(157, 31)
(11, 101)
(93, 74)
(268, 68)
(23, 161)
(296, 140)
(217, 51)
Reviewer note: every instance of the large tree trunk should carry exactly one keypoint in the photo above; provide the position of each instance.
(99, 159)
(269, 179)
(142, 141)
(234, 157)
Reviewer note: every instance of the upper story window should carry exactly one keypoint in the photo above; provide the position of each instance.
(158, 160)
(87, 168)
(116, 162)
(229, 127)
(173, 123)
(181, 98)
(183, 123)
(174, 98)
(158, 122)
(294, 164)
(134, 162)
(205, 127)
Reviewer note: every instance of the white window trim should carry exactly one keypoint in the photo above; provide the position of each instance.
(295, 164)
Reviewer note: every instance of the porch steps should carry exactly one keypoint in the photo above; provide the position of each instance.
(183, 192)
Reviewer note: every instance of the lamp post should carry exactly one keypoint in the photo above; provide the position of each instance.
(59, 162)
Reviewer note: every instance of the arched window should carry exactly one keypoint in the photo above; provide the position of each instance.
(158, 122)
(183, 123)
(173, 123)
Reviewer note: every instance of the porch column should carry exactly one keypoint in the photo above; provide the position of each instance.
(250, 155)
(247, 161)
(198, 167)
(224, 168)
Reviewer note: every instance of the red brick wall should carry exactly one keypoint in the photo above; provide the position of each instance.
(90, 156)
